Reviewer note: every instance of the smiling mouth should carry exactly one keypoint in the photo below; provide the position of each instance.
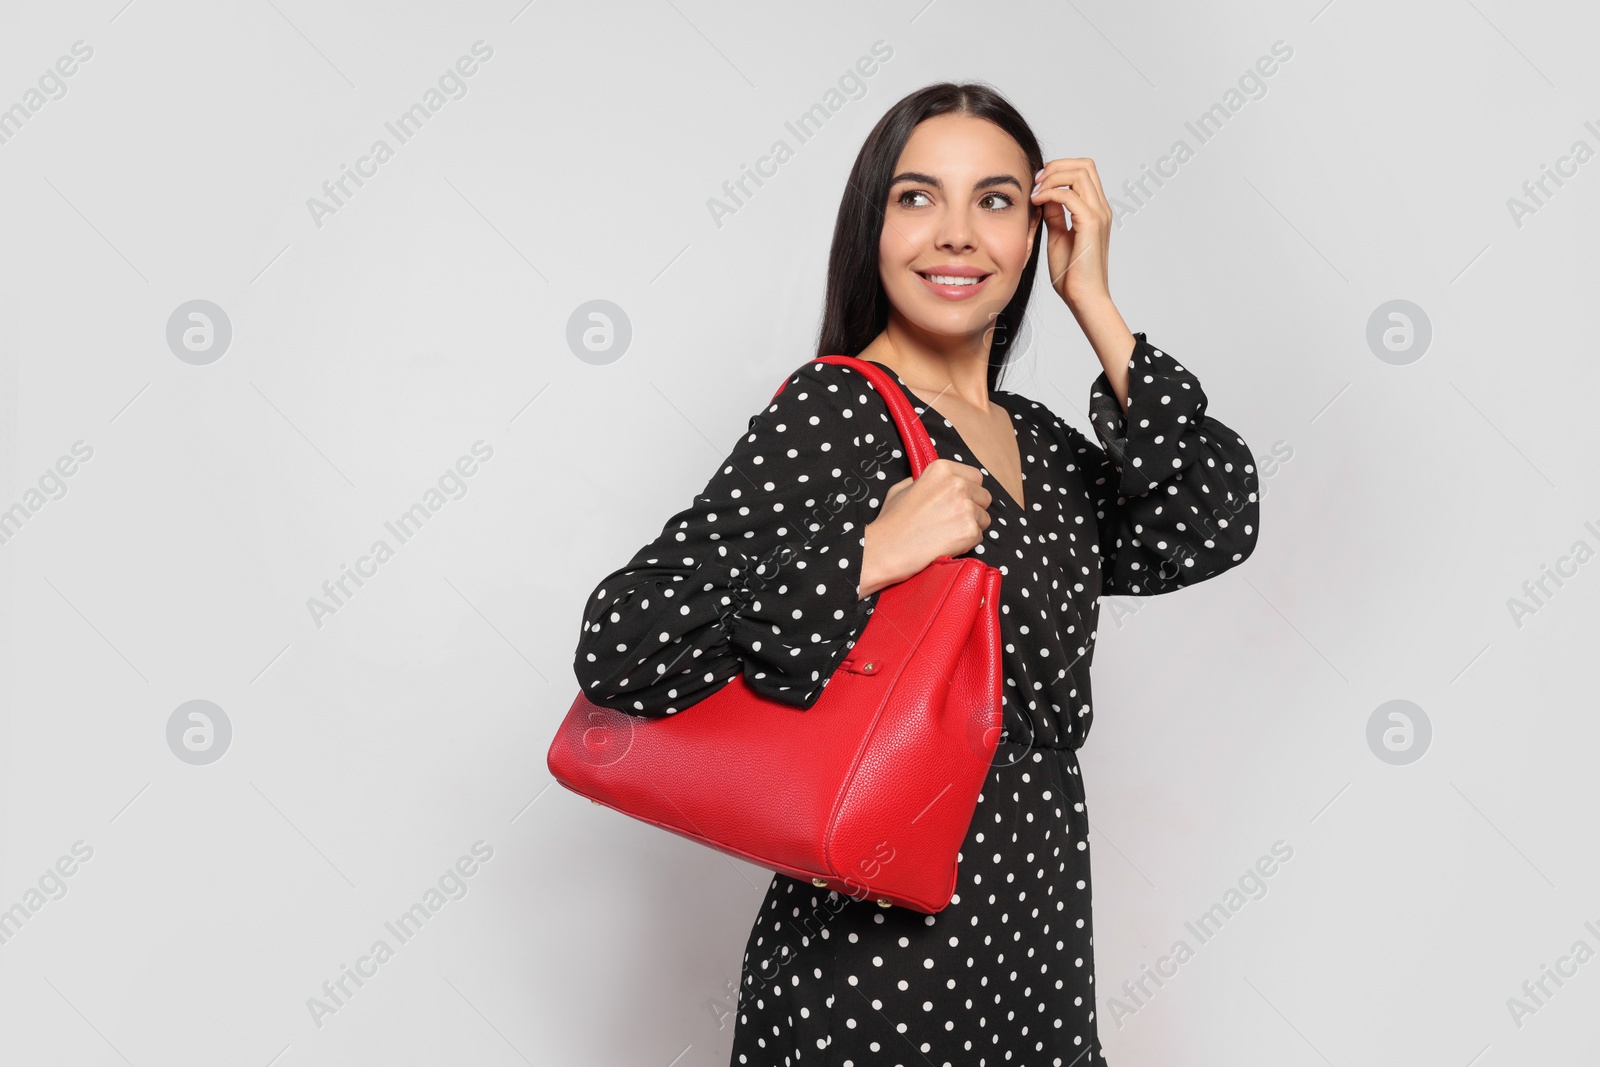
(951, 279)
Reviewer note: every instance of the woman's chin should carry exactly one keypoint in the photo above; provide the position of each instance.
(954, 327)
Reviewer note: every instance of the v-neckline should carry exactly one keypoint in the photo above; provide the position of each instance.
(994, 397)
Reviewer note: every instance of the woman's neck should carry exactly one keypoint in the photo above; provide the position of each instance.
(932, 363)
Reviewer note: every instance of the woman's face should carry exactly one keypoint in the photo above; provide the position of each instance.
(958, 227)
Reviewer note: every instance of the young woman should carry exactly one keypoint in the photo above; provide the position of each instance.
(773, 571)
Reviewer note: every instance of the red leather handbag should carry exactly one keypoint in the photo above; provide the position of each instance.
(872, 789)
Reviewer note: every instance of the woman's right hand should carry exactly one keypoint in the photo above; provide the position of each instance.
(944, 512)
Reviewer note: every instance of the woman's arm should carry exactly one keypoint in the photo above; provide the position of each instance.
(760, 575)
(1111, 340)
(1174, 490)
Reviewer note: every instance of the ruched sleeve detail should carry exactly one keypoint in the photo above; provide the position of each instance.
(1174, 490)
(759, 576)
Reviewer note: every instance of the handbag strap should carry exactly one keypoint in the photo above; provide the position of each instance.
(914, 435)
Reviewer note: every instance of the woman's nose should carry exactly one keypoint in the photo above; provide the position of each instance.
(955, 231)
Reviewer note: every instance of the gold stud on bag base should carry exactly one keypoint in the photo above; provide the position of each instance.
(822, 883)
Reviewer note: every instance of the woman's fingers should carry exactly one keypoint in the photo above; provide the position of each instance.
(1094, 179)
(962, 470)
(1080, 174)
(1055, 215)
(1066, 174)
(1082, 209)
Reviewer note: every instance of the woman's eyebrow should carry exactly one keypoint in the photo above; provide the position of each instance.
(928, 179)
(998, 179)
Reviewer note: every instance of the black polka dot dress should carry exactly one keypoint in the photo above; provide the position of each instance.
(759, 577)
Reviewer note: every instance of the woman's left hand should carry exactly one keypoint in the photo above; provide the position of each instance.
(1077, 257)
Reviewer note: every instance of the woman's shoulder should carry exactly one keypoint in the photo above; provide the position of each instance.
(840, 383)
(824, 416)
(1039, 415)
(831, 369)
(1033, 410)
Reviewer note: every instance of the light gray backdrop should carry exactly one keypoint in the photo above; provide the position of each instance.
(225, 381)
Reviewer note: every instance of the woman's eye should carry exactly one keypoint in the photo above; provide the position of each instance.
(990, 201)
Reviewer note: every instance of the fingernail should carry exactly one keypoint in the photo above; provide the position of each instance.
(1035, 189)
(1038, 174)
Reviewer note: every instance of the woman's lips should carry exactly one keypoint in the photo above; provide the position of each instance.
(954, 289)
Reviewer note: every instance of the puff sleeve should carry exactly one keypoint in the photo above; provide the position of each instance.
(760, 575)
(1174, 490)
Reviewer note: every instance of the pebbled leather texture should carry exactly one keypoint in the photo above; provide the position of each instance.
(872, 789)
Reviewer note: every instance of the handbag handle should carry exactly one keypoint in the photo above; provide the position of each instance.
(919, 446)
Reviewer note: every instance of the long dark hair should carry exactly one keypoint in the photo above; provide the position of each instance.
(856, 308)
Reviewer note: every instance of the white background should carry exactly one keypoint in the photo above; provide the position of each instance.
(430, 312)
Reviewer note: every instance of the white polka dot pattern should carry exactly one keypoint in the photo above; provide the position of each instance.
(760, 574)
(1004, 975)
(759, 577)
(1174, 490)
